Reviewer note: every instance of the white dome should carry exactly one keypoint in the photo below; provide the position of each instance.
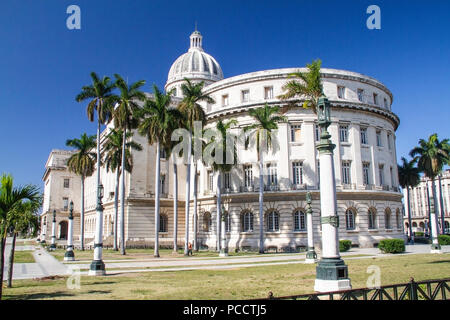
(195, 65)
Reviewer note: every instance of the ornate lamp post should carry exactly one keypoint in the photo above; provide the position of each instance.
(97, 267)
(331, 271)
(44, 230)
(223, 247)
(311, 256)
(53, 244)
(70, 255)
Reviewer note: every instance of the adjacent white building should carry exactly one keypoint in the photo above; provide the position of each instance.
(363, 129)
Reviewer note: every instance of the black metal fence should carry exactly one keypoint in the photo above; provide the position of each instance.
(420, 290)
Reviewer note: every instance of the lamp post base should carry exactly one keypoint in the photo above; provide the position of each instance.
(69, 256)
(331, 275)
(97, 268)
(311, 256)
(310, 261)
(223, 253)
(52, 247)
(436, 248)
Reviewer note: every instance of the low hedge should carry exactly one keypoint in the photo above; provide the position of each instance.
(344, 245)
(392, 246)
(419, 234)
(422, 240)
(444, 239)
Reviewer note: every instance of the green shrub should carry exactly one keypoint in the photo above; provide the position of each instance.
(419, 234)
(392, 246)
(344, 245)
(444, 239)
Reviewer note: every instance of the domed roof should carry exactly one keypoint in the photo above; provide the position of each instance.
(195, 64)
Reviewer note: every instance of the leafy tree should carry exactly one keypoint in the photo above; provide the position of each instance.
(408, 177)
(266, 121)
(431, 155)
(157, 121)
(113, 161)
(10, 198)
(82, 163)
(192, 111)
(125, 119)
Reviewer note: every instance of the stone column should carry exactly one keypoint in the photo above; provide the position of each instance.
(311, 256)
(53, 243)
(331, 271)
(69, 255)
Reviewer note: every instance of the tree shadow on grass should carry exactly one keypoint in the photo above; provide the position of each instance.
(96, 283)
(440, 261)
(98, 291)
(38, 296)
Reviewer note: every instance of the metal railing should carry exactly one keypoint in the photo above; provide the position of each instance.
(421, 290)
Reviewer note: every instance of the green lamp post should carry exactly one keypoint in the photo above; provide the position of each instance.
(97, 267)
(331, 271)
(70, 255)
(311, 255)
(53, 243)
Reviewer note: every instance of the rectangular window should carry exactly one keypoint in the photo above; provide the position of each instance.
(245, 95)
(343, 133)
(392, 176)
(318, 172)
(346, 172)
(381, 174)
(272, 177)
(66, 204)
(361, 95)
(210, 180)
(375, 98)
(385, 103)
(227, 180)
(268, 93)
(366, 173)
(225, 100)
(297, 173)
(379, 144)
(162, 182)
(341, 92)
(317, 132)
(363, 132)
(248, 175)
(66, 183)
(295, 132)
(162, 153)
(389, 141)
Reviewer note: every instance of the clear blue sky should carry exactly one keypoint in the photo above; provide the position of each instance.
(43, 65)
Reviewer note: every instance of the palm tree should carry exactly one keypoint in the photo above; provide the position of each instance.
(113, 160)
(222, 166)
(157, 124)
(10, 198)
(309, 88)
(125, 119)
(431, 156)
(82, 163)
(192, 111)
(266, 120)
(408, 177)
(24, 218)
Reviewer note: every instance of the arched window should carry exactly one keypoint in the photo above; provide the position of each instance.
(272, 221)
(350, 219)
(397, 218)
(387, 218)
(247, 221)
(372, 217)
(163, 223)
(206, 221)
(299, 220)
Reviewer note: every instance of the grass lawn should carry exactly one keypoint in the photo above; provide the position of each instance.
(237, 283)
(136, 254)
(23, 257)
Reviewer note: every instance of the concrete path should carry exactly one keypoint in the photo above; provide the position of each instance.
(45, 264)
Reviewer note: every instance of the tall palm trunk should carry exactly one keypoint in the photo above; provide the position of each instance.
(116, 210)
(188, 190)
(408, 203)
(195, 222)
(82, 215)
(219, 211)
(261, 199)
(441, 206)
(434, 215)
(157, 192)
(2, 257)
(175, 206)
(11, 261)
(122, 195)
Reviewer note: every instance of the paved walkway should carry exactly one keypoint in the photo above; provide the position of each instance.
(46, 265)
